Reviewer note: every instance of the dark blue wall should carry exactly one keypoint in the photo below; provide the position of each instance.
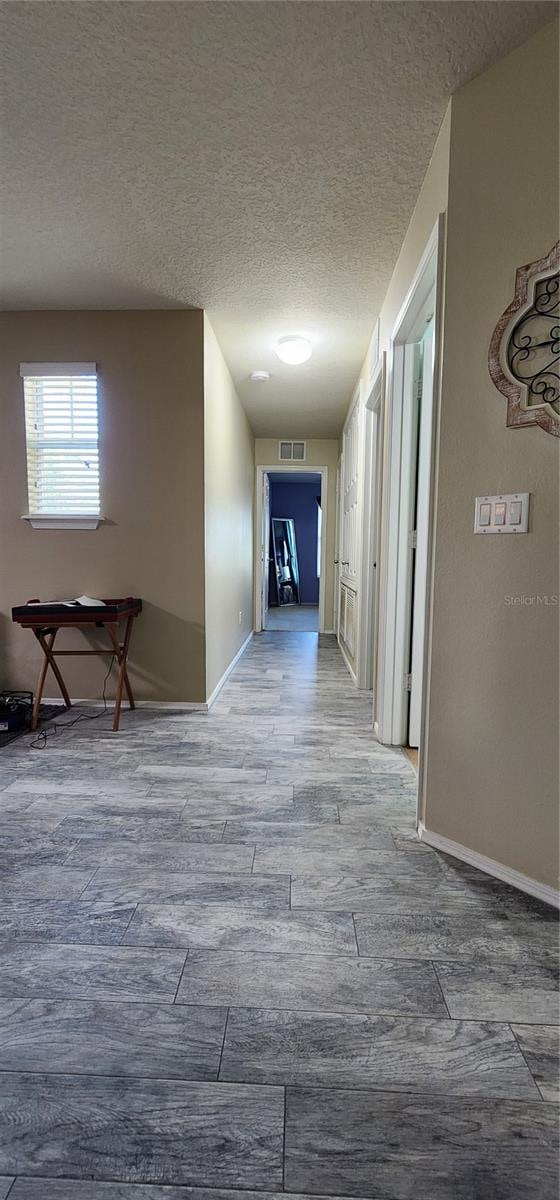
(299, 501)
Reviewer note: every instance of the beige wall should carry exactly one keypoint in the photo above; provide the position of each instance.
(321, 452)
(493, 719)
(151, 434)
(228, 505)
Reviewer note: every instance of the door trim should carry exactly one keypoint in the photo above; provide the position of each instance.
(371, 527)
(424, 296)
(288, 469)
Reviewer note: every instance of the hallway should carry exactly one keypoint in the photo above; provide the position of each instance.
(225, 961)
(293, 618)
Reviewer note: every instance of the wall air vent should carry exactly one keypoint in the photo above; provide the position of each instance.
(291, 451)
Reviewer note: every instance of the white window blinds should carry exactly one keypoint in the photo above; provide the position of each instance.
(61, 430)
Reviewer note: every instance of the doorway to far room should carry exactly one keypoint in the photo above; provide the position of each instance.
(293, 552)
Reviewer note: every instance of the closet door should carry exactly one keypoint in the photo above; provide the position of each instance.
(350, 534)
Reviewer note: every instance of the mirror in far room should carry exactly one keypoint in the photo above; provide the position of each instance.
(285, 561)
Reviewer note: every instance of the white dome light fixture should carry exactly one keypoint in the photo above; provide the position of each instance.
(260, 376)
(294, 349)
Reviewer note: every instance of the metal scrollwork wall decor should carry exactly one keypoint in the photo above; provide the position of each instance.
(524, 356)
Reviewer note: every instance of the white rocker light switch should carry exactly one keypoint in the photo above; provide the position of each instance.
(502, 514)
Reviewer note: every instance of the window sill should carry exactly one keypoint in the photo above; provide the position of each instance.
(43, 521)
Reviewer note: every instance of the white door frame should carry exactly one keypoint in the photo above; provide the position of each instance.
(285, 469)
(423, 299)
(265, 574)
(370, 532)
(337, 549)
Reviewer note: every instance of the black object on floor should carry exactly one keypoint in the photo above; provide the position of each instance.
(15, 715)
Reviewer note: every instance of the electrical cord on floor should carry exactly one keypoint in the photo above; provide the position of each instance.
(43, 736)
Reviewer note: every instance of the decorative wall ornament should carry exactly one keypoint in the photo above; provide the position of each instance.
(524, 355)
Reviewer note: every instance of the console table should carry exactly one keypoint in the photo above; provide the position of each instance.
(46, 620)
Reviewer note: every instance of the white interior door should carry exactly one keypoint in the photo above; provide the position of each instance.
(337, 541)
(420, 537)
(265, 548)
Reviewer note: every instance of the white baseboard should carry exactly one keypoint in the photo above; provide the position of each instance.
(490, 867)
(350, 670)
(187, 705)
(227, 672)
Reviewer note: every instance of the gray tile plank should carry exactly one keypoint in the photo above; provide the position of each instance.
(114, 805)
(213, 797)
(299, 981)
(5, 1185)
(324, 772)
(34, 852)
(130, 884)
(500, 899)
(382, 1144)
(408, 1054)
(215, 926)
(295, 813)
(201, 774)
(381, 811)
(445, 936)
(160, 1131)
(165, 1041)
(170, 856)
(82, 972)
(400, 893)
(540, 1046)
(44, 883)
(389, 795)
(361, 860)
(74, 1189)
(304, 760)
(309, 834)
(139, 828)
(37, 787)
(24, 825)
(501, 992)
(92, 922)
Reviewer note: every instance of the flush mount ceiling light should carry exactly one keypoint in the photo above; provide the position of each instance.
(294, 349)
(260, 376)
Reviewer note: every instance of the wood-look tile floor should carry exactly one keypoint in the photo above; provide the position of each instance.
(228, 969)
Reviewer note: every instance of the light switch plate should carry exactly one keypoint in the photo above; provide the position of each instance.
(502, 514)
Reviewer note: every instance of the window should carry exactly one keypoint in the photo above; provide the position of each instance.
(61, 429)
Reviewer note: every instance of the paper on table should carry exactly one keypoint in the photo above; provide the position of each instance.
(83, 601)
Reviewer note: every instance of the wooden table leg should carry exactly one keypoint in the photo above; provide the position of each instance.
(48, 661)
(123, 680)
(118, 655)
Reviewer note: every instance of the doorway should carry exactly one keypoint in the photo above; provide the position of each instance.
(290, 557)
(405, 589)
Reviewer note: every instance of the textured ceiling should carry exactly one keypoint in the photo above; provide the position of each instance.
(260, 160)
